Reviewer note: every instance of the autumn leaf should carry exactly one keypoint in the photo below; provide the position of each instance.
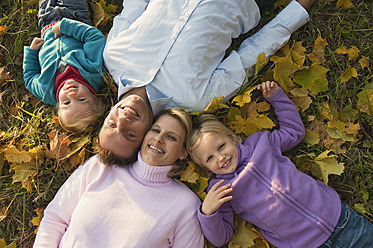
(102, 12)
(59, 145)
(13, 155)
(326, 165)
(365, 103)
(352, 52)
(240, 100)
(301, 99)
(215, 105)
(244, 234)
(348, 74)
(364, 62)
(189, 175)
(281, 3)
(318, 54)
(203, 183)
(263, 107)
(283, 72)
(345, 3)
(36, 220)
(260, 63)
(3, 29)
(311, 138)
(314, 79)
(298, 53)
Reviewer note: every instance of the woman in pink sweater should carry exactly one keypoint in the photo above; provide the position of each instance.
(139, 205)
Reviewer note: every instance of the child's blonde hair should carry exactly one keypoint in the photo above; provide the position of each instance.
(78, 123)
(207, 124)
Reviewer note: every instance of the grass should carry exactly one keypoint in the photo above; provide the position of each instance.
(25, 122)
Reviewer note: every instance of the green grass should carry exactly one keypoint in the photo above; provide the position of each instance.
(25, 122)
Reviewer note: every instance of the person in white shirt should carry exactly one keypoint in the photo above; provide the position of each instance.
(168, 53)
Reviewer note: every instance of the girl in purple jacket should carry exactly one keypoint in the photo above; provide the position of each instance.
(255, 181)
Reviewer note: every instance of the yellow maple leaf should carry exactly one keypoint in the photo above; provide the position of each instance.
(215, 105)
(352, 53)
(364, 62)
(313, 78)
(345, 3)
(283, 72)
(318, 53)
(365, 103)
(13, 155)
(203, 183)
(3, 29)
(36, 220)
(298, 53)
(326, 165)
(189, 175)
(243, 236)
(261, 61)
(312, 137)
(263, 107)
(240, 100)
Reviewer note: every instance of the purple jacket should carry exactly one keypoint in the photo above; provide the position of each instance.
(289, 208)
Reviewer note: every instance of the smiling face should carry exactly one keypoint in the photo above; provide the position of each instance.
(74, 99)
(218, 153)
(126, 124)
(164, 142)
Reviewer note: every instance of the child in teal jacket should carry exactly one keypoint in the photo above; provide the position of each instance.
(65, 66)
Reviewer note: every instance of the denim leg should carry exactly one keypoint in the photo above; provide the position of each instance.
(352, 231)
(54, 10)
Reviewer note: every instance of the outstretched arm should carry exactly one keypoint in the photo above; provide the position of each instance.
(291, 130)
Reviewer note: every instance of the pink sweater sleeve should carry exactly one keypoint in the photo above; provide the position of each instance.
(58, 213)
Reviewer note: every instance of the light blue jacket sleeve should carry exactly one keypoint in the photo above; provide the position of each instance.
(268, 40)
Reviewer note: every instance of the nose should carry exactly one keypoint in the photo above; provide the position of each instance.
(123, 122)
(221, 157)
(158, 138)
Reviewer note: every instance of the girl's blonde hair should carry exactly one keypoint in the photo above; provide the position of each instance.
(207, 124)
(78, 123)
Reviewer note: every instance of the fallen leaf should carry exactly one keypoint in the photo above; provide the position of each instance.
(260, 63)
(189, 175)
(326, 165)
(313, 79)
(240, 100)
(311, 138)
(318, 54)
(215, 105)
(364, 62)
(13, 155)
(345, 3)
(36, 220)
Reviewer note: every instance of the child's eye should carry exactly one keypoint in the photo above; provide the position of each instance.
(154, 130)
(209, 159)
(221, 146)
(81, 99)
(67, 102)
(172, 138)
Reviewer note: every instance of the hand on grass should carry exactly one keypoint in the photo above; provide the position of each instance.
(216, 197)
(268, 88)
(36, 43)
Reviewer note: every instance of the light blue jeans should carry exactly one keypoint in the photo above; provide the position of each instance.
(54, 10)
(352, 231)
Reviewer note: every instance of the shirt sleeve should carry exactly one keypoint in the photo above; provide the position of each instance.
(218, 227)
(93, 40)
(270, 38)
(31, 72)
(58, 213)
(291, 130)
(190, 236)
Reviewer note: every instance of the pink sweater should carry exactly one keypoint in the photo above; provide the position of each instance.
(135, 206)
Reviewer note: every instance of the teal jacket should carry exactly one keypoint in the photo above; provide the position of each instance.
(80, 45)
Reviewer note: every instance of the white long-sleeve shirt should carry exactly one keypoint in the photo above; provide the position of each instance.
(176, 48)
(135, 206)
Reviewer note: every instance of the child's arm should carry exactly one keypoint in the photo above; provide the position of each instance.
(93, 40)
(217, 223)
(291, 130)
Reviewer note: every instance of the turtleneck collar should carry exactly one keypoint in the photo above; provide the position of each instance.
(149, 174)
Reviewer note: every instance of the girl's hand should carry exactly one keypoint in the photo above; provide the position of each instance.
(268, 88)
(216, 197)
(36, 43)
(56, 29)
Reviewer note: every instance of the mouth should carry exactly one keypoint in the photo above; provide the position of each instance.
(226, 164)
(130, 111)
(156, 149)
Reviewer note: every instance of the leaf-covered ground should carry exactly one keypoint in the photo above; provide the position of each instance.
(325, 69)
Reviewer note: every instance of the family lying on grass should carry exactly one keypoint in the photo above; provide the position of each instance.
(165, 54)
